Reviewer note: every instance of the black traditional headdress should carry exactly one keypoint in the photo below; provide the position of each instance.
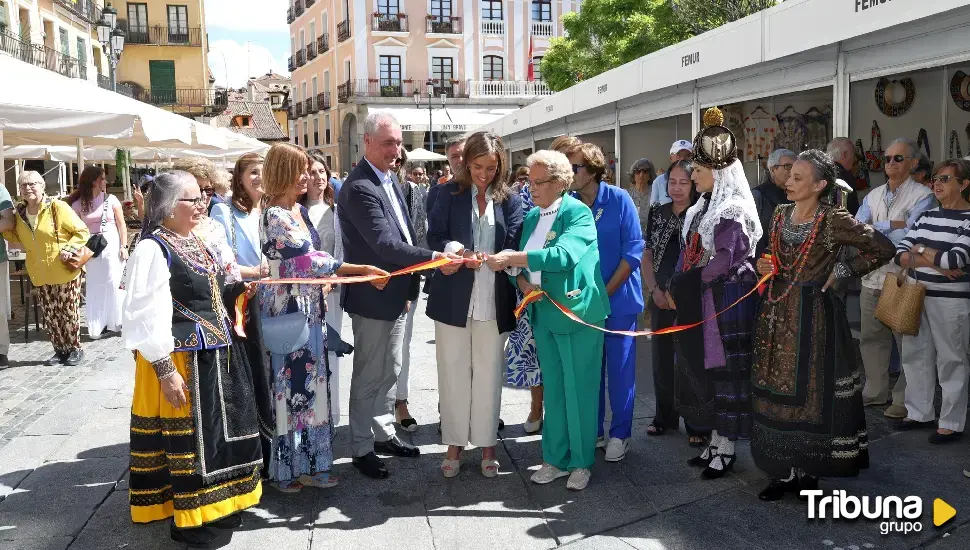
(715, 146)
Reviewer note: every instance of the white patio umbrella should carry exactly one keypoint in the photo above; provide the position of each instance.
(424, 155)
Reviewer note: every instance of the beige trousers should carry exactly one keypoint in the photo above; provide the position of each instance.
(876, 345)
(471, 368)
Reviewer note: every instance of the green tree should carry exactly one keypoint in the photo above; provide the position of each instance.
(608, 33)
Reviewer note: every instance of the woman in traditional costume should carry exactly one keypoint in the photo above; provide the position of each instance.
(195, 450)
(714, 359)
(807, 405)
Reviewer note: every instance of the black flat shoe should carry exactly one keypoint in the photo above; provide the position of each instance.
(501, 424)
(907, 425)
(937, 438)
(701, 461)
(654, 429)
(229, 522)
(74, 358)
(197, 537)
(777, 488)
(727, 463)
(370, 466)
(396, 447)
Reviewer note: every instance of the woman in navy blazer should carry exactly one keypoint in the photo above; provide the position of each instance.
(472, 306)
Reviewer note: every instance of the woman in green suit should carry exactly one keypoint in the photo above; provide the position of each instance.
(560, 256)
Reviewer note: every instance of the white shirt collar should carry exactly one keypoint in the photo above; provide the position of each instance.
(552, 207)
(385, 176)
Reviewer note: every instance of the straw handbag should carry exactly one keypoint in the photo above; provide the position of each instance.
(900, 305)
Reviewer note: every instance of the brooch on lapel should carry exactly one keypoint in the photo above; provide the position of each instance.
(573, 293)
(599, 214)
(550, 236)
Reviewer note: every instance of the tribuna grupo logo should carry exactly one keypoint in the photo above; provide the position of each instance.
(895, 514)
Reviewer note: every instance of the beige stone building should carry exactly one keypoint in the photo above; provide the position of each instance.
(352, 57)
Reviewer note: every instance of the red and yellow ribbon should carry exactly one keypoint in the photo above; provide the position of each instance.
(537, 295)
(242, 301)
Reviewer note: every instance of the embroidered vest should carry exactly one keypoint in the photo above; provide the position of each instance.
(907, 196)
(195, 322)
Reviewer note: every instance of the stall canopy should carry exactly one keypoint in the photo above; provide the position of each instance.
(423, 155)
(447, 119)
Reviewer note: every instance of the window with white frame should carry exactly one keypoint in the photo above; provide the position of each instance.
(442, 69)
(493, 67)
(491, 10)
(389, 7)
(537, 67)
(390, 70)
(441, 8)
(326, 132)
(316, 132)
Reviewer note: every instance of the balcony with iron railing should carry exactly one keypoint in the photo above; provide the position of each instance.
(183, 97)
(42, 56)
(493, 27)
(104, 82)
(389, 22)
(311, 50)
(298, 8)
(301, 58)
(400, 88)
(508, 88)
(443, 24)
(291, 65)
(343, 30)
(298, 109)
(323, 101)
(310, 106)
(543, 29)
(160, 35)
(289, 16)
(323, 43)
(309, 3)
(87, 9)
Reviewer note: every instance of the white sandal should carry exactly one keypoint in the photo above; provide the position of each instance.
(490, 467)
(450, 468)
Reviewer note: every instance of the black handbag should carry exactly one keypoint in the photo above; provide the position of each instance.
(97, 242)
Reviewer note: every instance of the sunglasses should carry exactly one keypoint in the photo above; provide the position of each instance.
(196, 202)
(209, 191)
(576, 167)
(944, 178)
(522, 179)
(897, 158)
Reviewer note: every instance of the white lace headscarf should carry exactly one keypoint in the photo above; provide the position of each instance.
(730, 200)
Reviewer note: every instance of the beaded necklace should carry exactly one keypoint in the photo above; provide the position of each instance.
(801, 259)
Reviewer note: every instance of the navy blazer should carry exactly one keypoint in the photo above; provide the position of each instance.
(372, 235)
(433, 195)
(451, 220)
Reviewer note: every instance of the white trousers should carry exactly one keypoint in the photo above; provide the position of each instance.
(939, 352)
(471, 367)
(335, 318)
(401, 391)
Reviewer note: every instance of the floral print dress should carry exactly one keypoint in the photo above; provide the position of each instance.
(520, 354)
(300, 380)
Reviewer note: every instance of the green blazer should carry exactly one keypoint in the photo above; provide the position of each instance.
(570, 266)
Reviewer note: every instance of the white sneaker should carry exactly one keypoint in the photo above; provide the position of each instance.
(532, 427)
(547, 474)
(601, 442)
(579, 479)
(616, 449)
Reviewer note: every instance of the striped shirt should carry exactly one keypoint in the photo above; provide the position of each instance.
(948, 232)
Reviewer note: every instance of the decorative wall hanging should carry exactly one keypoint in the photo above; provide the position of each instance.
(923, 142)
(759, 133)
(875, 152)
(792, 131)
(955, 150)
(819, 123)
(862, 174)
(960, 90)
(886, 89)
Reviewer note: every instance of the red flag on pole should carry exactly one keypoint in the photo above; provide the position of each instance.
(532, 69)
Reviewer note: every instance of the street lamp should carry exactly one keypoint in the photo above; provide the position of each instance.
(417, 102)
(112, 40)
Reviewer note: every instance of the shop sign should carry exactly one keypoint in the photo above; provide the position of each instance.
(690, 59)
(862, 5)
(437, 127)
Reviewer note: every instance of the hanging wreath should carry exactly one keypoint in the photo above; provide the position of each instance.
(885, 89)
(960, 90)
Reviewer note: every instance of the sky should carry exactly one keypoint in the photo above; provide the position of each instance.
(246, 38)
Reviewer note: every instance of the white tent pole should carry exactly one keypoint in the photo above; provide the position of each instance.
(80, 155)
(3, 163)
(70, 175)
(61, 178)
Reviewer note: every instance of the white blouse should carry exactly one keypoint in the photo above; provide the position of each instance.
(537, 240)
(146, 324)
(324, 220)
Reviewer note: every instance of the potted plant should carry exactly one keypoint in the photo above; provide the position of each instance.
(430, 17)
(401, 15)
(376, 14)
(373, 80)
(408, 81)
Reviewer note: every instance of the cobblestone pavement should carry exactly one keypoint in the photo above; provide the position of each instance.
(63, 480)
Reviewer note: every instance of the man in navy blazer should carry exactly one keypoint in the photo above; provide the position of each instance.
(376, 230)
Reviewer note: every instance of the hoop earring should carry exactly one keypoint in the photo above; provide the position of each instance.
(172, 215)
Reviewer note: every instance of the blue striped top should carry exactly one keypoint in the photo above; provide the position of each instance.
(947, 232)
